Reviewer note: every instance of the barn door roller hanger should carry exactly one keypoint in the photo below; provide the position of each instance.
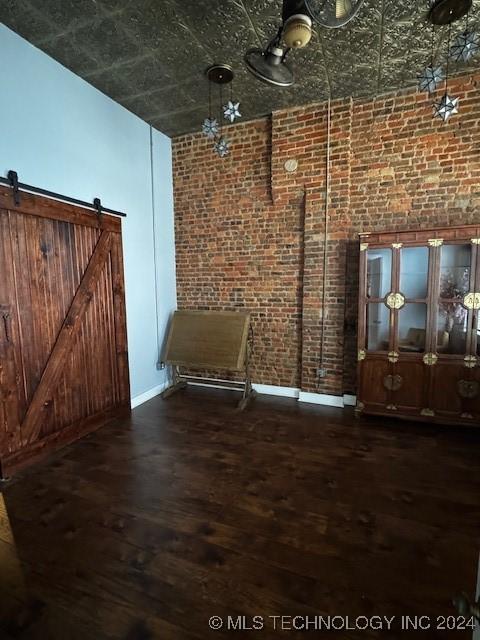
(18, 187)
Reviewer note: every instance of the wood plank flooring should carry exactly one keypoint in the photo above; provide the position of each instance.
(189, 509)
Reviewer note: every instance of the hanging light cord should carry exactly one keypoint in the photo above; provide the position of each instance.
(433, 44)
(210, 99)
(220, 111)
(448, 57)
(325, 242)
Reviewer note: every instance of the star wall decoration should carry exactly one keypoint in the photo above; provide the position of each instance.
(445, 107)
(222, 147)
(231, 111)
(210, 127)
(430, 78)
(465, 46)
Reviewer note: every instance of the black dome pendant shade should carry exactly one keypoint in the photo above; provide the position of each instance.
(295, 32)
(448, 11)
(269, 66)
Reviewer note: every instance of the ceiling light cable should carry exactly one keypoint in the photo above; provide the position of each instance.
(321, 373)
(154, 231)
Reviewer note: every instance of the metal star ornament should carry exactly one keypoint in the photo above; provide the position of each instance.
(465, 46)
(231, 111)
(210, 127)
(445, 107)
(430, 78)
(222, 147)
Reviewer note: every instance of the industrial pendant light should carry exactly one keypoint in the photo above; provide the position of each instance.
(333, 14)
(295, 32)
(269, 65)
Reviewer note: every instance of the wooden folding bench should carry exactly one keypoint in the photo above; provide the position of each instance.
(210, 340)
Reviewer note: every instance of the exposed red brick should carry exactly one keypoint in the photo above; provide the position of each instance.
(251, 235)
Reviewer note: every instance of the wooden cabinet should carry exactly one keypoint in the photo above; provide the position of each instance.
(419, 325)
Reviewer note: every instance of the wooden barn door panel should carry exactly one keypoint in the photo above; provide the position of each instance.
(50, 258)
(66, 359)
(12, 388)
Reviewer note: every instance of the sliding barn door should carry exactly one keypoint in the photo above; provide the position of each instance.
(63, 346)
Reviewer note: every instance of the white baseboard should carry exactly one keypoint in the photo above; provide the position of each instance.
(273, 390)
(148, 395)
(263, 389)
(321, 398)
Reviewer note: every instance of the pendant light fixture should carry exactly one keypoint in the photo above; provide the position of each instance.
(446, 106)
(465, 45)
(220, 74)
(269, 64)
(431, 76)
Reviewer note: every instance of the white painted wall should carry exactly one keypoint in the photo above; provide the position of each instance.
(60, 133)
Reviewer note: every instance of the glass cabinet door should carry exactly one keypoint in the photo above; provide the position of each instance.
(378, 286)
(476, 335)
(455, 281)
(414, 287)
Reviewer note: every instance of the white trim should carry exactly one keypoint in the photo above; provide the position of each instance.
(273, 390)
(263, 389)
(148, 395)
(349, 401)
(321, 398)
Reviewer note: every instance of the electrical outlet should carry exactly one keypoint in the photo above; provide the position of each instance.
(322, 372)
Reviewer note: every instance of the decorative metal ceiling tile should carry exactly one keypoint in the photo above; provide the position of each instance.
(69, 15)
(150, 55)
(30, 24)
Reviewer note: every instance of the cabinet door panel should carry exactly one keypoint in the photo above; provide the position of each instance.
(412, 394)
(372, 390)
(444, 396)
(469, 389)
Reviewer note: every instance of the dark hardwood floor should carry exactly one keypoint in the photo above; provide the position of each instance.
(189, 509)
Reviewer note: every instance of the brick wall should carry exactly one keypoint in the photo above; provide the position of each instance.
(251, 235)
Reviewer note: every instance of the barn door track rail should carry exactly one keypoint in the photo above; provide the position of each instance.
(17, 187)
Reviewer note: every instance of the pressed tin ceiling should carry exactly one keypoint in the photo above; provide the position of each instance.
(150, 55)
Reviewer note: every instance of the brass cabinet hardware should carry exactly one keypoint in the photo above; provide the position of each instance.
(393, 383)
(472, 300)
(470, 362)
(395, 300)
(430, 359)
(397, 377)
(427, 412)
(468, 389)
